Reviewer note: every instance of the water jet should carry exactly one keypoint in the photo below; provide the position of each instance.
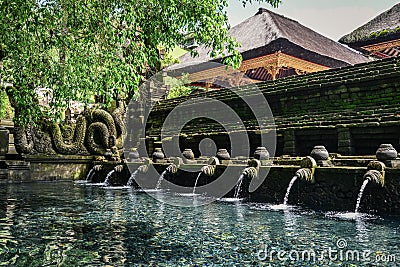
(375, 173)
(308, 165)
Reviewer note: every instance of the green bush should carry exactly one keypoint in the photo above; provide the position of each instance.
(178, 86)
(6, 111)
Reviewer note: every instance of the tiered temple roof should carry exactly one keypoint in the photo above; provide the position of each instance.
(273, 46)
(380, 37)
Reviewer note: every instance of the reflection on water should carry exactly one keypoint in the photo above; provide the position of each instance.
(66, 224)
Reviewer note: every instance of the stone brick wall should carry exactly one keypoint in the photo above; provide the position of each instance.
(350, 110)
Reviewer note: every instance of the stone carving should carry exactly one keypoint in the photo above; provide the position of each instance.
(188, 154)
(133, 154)
(376, 172)
(99, 115)
(76, 146)
(250, 172)
(4, 136)
(42, 141)
(307, 171)
(209, 169)
(319, 153)
(172, 168)
(94, 132)
(23, 139)
(158, 154)
(261, 153)
(97, 147)
(386, 152)
(223, 154)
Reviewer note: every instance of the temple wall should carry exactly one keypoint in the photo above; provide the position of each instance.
(350, 110)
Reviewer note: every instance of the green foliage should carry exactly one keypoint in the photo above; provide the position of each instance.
(178, 86)
(169, 58)
(383, 33)
(82, 48)
(6, 111)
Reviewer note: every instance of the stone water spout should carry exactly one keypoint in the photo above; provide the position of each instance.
(117, 169)
(308, 165)
(142, 169)
(98, 168)
(175, 164)
(172, 169)
(92, 172)
(253, 167)
(209, 169)
(145, 167)
(251, 172)
(376, 172)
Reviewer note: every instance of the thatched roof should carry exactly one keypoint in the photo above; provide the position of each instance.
(384, 27)
(267, 32)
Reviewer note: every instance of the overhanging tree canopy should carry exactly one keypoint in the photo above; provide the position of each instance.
(82, 48)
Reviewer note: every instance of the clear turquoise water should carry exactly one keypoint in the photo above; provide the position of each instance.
(65, 224)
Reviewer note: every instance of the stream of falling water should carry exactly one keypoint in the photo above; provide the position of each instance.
(158, 186)
(107, 180)
(90, 174)
(238, 186)
(364, 185)
(132, 178)
(286, 199)
(195, 184)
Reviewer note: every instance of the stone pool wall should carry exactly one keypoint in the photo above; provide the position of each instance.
(334, 188)
(45, 168)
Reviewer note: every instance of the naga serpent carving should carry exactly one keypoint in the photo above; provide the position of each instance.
(76, 146)
(93, 133)
(23, 140)
(94, 147)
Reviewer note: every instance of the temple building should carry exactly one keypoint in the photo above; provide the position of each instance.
(379, 38)
(272, 47)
